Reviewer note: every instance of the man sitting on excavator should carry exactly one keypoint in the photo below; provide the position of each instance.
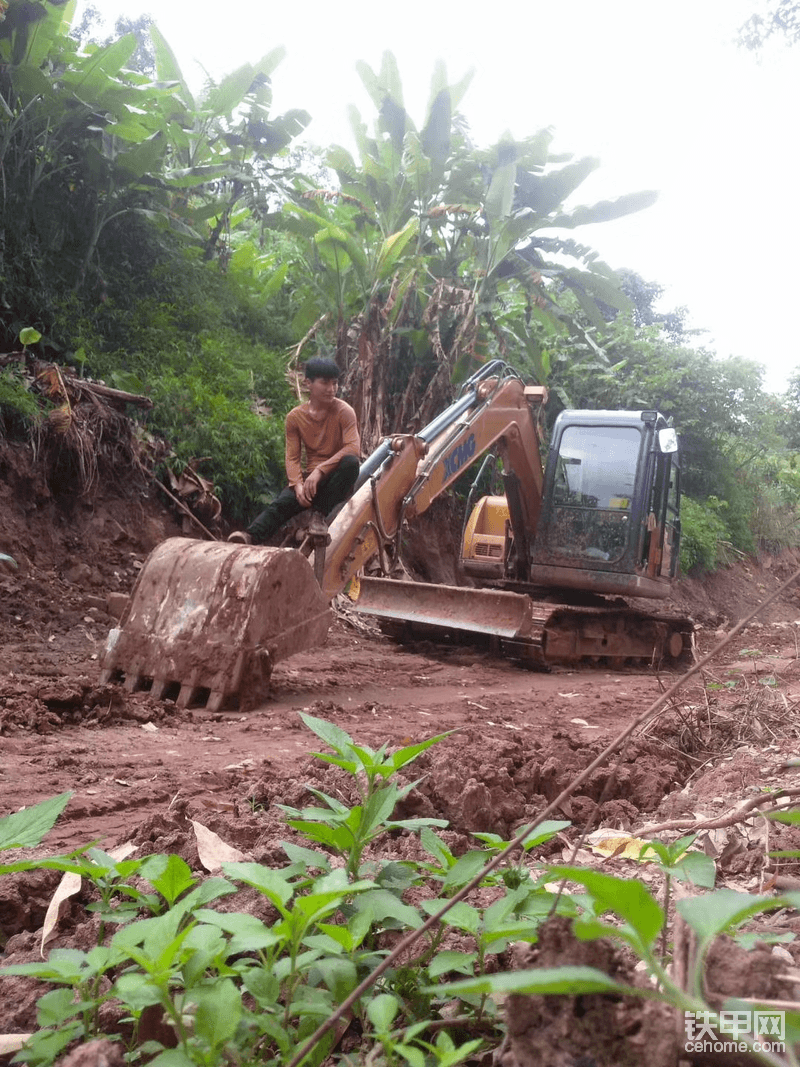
(325, 428)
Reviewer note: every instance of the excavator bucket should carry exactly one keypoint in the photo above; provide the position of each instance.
(208, 620)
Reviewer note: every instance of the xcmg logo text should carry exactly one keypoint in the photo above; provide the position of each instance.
(460, 455)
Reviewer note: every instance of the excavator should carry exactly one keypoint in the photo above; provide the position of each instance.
(553, 559)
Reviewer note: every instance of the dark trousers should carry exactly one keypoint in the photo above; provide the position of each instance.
(332, 490)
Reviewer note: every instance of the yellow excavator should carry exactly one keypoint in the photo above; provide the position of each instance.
(552, 559)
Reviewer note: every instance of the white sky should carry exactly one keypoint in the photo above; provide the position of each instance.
(657, 90)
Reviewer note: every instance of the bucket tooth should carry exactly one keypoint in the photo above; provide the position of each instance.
(188, 690)
(159, 688)
(220, 685)
(133, 681)
(216, 698)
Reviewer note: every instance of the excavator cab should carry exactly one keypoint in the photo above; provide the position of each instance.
(610, 516)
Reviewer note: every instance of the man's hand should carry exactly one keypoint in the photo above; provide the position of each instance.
(306, 492)
(311, 484)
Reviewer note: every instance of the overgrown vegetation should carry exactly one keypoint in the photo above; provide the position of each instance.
(183, 249)
(284, 989)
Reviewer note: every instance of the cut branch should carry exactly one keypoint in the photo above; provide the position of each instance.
(741, 814)
(112, 394)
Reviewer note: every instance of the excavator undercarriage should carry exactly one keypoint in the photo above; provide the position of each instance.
(536, 632)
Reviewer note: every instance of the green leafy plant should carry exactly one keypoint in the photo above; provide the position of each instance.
(624, 910)
(349, 830)
(678, 860)
(26, 828)
(231, 986)
(703, 528)
(228, 984)
(20, 410)
(407, 1044)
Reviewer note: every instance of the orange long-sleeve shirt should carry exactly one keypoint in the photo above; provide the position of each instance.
(325, 441)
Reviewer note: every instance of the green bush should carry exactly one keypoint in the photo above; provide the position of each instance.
(244, 449)
(19, 409)
(206, 347)
(774, 517)
(703, 527)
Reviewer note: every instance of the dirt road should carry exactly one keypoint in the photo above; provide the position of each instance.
(144, 771)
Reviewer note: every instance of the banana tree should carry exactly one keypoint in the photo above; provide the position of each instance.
(222, 145)
(85, 140)
(66, 175)
(524, 255)
(418, 251)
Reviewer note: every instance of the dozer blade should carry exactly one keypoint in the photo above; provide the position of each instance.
(431, 609)
(535, 631)
(208, 620)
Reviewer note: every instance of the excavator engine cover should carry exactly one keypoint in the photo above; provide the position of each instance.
(208, 620)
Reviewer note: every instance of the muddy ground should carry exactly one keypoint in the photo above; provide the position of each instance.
(141, 770)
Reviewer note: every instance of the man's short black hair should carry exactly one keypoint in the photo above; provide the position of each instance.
(321, 367)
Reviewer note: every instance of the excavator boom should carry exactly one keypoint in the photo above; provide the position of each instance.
(498, 411)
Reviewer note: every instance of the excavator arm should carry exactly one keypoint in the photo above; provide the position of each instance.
(496, 411)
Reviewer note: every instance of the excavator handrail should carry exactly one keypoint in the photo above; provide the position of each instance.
(494, 368)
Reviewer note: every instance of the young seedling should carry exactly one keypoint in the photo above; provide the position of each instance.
(346, 830)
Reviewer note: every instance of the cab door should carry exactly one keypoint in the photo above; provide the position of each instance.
(663, 526)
